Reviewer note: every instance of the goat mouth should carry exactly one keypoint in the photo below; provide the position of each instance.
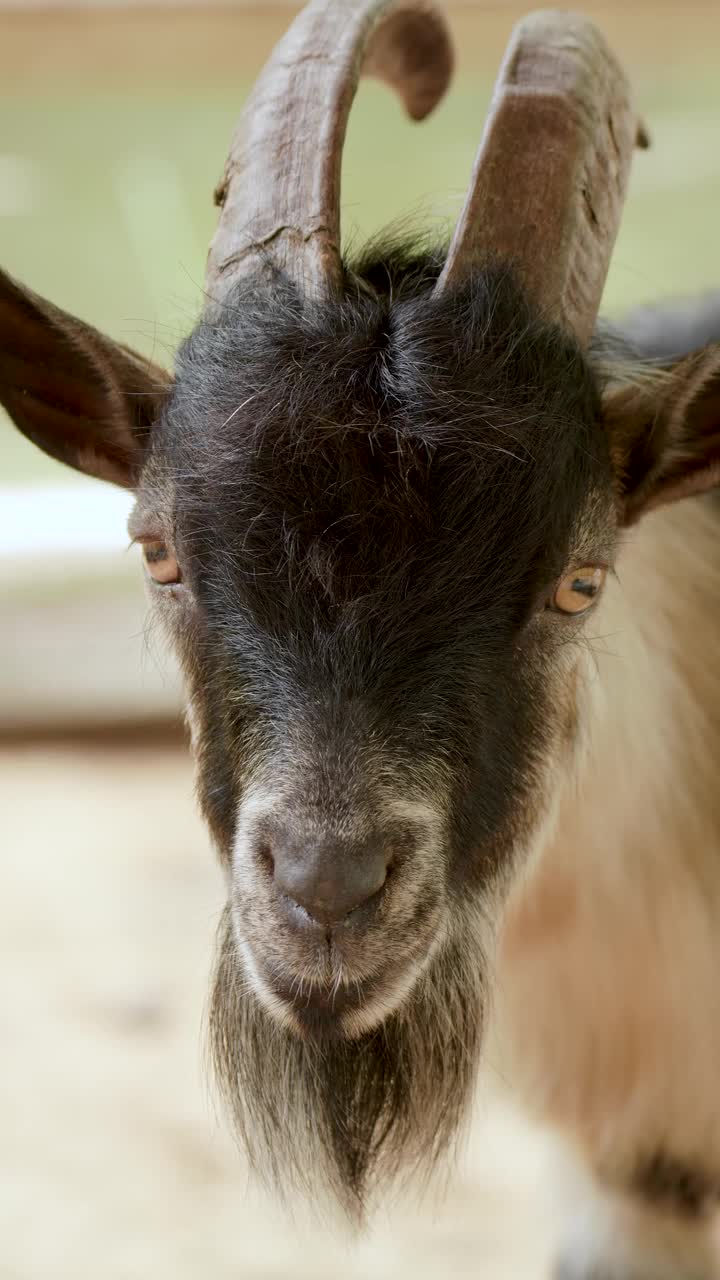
(323, 1011)
(345, 1011)
(328, 1000)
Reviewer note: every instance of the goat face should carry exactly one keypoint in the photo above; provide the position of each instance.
(381, 687)
(378, 687)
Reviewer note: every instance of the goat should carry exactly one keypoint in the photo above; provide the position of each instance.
(436, 551)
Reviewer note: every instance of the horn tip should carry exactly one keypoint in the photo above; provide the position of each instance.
(411, 50)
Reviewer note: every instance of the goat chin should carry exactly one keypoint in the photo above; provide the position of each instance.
(342, 1118)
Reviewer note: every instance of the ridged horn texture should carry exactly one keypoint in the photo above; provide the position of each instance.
(280, 193)
(551, 173)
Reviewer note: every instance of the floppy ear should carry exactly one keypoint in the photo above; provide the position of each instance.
(664, 433)
(81, 397)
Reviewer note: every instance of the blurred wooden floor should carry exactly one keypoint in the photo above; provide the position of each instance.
(112, 1163)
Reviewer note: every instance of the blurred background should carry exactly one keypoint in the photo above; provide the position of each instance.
(114, 124)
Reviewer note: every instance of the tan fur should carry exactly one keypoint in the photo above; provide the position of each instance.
(608, 958)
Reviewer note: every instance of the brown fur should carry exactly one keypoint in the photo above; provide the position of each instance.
(608, 997)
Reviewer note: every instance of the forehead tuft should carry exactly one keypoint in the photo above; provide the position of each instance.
(386, 448)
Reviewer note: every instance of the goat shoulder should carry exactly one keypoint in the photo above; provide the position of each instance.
(608, 1004)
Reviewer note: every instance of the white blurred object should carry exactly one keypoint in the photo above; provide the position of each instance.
(54, 521)
(74, 645)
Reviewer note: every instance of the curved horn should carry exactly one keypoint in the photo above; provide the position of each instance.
(280, 193)
(551, 173)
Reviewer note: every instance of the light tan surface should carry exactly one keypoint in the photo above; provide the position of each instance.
(143, 43)
(113, 1165)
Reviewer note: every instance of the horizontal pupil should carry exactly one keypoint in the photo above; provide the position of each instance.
(585, 586)
(155, 554)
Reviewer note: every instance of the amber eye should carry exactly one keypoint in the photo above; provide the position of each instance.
(578, 590)
(161, 563)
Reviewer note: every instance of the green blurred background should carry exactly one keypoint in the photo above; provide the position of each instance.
(112, 135)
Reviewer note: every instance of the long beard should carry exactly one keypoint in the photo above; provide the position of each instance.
(343, 1118)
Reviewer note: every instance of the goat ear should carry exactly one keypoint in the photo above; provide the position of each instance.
(81, 397)
(664, 433)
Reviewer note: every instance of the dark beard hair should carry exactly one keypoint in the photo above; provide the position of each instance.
(342, 1117)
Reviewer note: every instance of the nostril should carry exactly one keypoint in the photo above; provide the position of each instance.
(363, 910)
(329, 882)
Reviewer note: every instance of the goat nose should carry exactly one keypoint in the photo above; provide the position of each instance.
(327, 882)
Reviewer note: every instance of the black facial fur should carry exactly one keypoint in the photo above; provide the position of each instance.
(374, 496)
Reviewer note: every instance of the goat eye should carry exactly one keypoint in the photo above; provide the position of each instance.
(161, 563)
(577, 591)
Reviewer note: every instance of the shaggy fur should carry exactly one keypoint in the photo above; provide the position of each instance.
(345, 1117)
(371, 501)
